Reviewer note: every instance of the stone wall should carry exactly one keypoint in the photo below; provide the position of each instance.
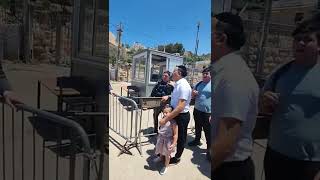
(44, 44)
(277, 49)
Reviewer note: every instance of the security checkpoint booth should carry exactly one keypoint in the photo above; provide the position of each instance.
(147, 69)
(134, 108)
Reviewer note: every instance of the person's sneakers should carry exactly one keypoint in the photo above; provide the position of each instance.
(157, 159)
(194, 143)
(163, 170)
(174, 160)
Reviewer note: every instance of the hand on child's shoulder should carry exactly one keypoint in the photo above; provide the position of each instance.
(173, 121)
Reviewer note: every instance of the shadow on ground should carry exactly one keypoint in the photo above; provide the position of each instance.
(60, 139)
(199, 157)
(152, 166)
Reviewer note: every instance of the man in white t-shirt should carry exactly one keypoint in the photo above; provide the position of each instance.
(234, 102)
(180, 101)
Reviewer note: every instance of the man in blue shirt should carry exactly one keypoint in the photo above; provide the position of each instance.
(202, 109)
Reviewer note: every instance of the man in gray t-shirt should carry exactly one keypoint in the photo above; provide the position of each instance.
(234, 102)
(292, 95)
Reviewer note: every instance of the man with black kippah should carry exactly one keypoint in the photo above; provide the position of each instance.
(234, 102)
(180, 101)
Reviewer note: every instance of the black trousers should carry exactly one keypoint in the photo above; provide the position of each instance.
(236, 170)
(182, 121)
(201, 120)
(156, 112)
(278, 167)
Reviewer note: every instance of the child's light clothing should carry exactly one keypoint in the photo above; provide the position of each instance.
(165, 139)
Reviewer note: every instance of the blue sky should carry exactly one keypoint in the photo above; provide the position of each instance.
(152, 22)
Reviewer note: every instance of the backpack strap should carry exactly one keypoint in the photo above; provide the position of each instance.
(278, 74)
(197, 85)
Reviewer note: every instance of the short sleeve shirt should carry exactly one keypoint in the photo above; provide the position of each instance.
(294, 128)
(203, 99)
(182, 90)
(236, 94)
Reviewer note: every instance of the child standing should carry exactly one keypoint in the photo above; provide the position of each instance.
(166, 141)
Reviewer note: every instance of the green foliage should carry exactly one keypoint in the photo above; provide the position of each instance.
(112, 54)
(112, 60)
(193, 58)
(172, 48)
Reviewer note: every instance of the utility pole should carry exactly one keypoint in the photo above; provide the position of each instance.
(197, 39)
(119, 30)
(196, 52)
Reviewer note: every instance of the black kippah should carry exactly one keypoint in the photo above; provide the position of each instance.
(229, 18)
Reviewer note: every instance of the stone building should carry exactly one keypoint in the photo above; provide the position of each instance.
(285, 14)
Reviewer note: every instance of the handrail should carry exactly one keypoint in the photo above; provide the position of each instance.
(61, 120)
(128, 99)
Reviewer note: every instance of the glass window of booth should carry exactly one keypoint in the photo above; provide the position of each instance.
(139, 68)
(158, 66)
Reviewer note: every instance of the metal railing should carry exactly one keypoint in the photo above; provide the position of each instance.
(36, 144)
(123, 120)
(132, 121)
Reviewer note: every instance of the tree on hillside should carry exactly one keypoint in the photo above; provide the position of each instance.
(172, 48)
(112, 54)
(190, 57)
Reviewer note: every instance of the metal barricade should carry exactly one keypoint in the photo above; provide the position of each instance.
(124, 115)
(133, 121)
(36, 144)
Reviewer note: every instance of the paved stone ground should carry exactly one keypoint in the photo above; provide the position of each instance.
(193, 165)
(24, 81)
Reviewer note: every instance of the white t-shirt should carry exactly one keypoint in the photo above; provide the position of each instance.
(182, 90)
(236, 94)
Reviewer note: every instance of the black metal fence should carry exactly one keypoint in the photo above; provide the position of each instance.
(36, 144)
